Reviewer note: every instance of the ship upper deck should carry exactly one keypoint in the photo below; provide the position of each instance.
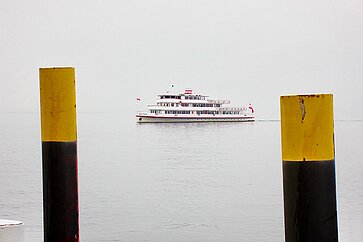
(188, 98)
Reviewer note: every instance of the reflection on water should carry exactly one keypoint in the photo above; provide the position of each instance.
(172, 182)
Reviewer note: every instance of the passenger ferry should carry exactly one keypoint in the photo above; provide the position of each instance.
(190, 107)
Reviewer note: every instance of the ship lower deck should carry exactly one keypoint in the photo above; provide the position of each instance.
(190, 119)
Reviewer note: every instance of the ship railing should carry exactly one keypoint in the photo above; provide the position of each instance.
(239, 109)
(219, 101)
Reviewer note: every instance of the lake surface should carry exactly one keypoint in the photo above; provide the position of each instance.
(172, 182)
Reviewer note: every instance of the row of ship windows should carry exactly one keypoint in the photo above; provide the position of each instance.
(170, 97)
(189, 105)
(191, 112)
(186, 97)
(195, 97)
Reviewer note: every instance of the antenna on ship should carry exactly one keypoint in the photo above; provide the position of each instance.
(172, 85)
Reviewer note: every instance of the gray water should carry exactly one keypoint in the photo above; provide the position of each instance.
(172, 182)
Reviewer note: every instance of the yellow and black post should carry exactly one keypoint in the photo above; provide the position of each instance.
(59, 153)
(307, 137)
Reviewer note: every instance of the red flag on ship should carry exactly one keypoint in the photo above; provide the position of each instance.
(250, 107)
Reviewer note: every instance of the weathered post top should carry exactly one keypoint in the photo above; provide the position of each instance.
(307, 127)
(58, 104)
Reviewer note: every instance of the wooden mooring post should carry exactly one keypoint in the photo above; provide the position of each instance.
(59, 154)
(307, 138)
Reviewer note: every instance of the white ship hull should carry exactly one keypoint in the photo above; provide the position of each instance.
(190, 119)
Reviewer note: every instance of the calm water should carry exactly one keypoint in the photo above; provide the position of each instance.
(172, 182)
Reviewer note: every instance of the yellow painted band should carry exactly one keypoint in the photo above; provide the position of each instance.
(307, 127)
(58, 104)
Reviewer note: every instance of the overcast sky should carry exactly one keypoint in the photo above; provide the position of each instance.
(247, 51)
